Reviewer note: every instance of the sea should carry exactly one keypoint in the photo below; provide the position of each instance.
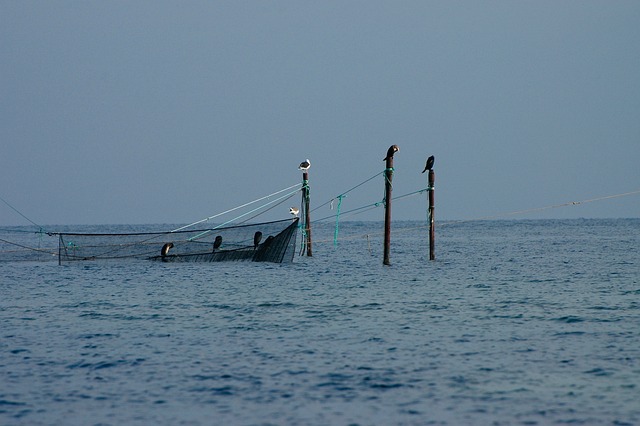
(515, 322)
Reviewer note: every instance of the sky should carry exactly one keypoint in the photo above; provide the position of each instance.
(130, 112)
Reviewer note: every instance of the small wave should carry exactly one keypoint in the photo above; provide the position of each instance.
(97, 335)
(569, 333)
(599, 372)
(11, 403)
(104, 364)
(569, 319)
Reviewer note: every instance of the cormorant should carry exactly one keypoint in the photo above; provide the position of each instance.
(165, 249)
(217, 243)
(392, 150)
(256, 239)
(429, 164)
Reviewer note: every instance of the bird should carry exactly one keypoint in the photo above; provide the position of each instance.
(165, 249)
(217, 242)
(294, 211)
(256, 239)
(392, 150)
(429, 164)
(304, 166)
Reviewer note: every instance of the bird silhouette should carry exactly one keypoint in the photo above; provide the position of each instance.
(256, 239)
(392, 150)
(217, 242)
(429, 164)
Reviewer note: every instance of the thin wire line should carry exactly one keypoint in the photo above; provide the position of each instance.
(346, 192)
(16, 210)
(235, 208)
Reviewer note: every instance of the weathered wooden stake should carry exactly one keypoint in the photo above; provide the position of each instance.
(432, 230)
(388, 177)
(307, 213)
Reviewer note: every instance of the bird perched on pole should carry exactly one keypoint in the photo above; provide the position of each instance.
(392, 150)
(429, 164)
(304, 166)
(294, 211)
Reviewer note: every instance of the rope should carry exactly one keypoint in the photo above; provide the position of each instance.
(286, 196)
(235, 208)
(346, 192)
(553, 206)
(387, 175)
(17, 211)
(498, 215)
(270, 208)
(39, 250)
(371, 206)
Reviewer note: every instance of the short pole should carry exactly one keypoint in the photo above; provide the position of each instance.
(388, 177)
(307, 213)
(432, 228)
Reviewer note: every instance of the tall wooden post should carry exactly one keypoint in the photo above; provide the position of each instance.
(432, 230)
(388, 177)
(307, 213)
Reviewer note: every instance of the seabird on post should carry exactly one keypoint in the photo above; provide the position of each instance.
(294, 211)
(429, 164)
(392, 150)
(304, 166)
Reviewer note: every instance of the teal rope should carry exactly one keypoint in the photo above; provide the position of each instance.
(346, 192)
(386, 176)
(372, 205)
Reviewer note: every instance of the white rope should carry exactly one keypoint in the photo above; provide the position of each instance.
(243, 215)
(235, 208)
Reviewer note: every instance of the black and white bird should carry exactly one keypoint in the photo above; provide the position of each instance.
(429, 164)
(165, 249)
(392, 150)
(304, 166)
(294, 211)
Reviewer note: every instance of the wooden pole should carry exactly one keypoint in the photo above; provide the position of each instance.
(388, 177)
(307, 213)
(432, 230)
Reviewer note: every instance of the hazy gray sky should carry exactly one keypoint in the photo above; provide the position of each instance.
(169, 111)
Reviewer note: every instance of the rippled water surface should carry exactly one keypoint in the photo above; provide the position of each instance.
(516, 322)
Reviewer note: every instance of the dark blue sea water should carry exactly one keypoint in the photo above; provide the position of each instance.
(514, 323)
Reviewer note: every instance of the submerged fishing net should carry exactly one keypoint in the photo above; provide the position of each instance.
(24, 244)
(262, 242)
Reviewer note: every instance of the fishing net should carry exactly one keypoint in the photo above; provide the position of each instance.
(260, 242)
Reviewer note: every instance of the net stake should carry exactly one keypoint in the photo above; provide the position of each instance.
(432, 227)
(307, 213)
(388, 174)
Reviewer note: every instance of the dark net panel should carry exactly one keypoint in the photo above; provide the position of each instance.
(260, 242)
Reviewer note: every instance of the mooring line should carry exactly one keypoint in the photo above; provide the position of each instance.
(553, 206)
(455, 222)
(236, 208)
(20, 213)
(346, 192)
